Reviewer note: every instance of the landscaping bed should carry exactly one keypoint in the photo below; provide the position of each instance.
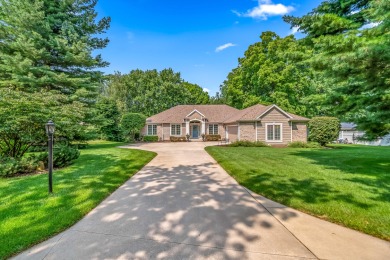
(349, 184)
(28, 214)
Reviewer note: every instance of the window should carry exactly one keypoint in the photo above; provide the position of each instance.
(274, 132)
(152, 130)
(213, 129)
(175, 129)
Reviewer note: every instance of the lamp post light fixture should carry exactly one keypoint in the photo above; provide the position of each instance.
(50, 128)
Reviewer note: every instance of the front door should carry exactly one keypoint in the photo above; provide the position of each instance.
(195, 131)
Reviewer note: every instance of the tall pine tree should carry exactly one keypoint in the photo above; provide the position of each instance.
(351, 41)
(47, 69)
(46, 44)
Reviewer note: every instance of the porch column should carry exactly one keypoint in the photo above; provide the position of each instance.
(203, 127)
(187, 127)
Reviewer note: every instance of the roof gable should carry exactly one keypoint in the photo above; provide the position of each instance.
(277, 108)
(256, 112)
(195, 111)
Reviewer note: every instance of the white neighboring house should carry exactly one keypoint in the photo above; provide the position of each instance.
(349, 134)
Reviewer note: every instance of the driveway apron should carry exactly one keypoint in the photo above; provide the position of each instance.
(183, 205)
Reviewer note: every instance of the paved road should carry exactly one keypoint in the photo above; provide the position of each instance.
(183, 205)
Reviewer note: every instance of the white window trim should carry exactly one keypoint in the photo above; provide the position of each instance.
(213, 129)
(170, 130)
(281, 133)
(147, 130)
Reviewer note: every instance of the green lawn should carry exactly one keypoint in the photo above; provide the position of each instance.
(349, 185)
(29, 215)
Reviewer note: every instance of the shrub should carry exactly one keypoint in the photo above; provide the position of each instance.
(300, 144)
(248, 144)
(132, 123)
(63, 155)
(324, 129)
(150, 138)
(37, 148)
(178, 139)
(10, 166)
(212, 137)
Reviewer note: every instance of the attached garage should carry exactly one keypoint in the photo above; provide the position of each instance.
(232, 132)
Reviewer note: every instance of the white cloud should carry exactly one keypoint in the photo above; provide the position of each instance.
(225, 46)
(206, 90)
(370, 25)
(293, 30)
(236, 13)
(265, 9)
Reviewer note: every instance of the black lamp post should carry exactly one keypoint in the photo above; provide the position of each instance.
(50, 128)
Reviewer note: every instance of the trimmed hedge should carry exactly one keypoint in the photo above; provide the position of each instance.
(150, 138)
(248, 144)
(178, 139)
(324, 130)
(213, 138)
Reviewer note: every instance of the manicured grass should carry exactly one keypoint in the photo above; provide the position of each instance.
(29, 215)
(349, 185)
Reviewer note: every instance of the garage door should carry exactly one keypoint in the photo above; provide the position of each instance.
(233, 133)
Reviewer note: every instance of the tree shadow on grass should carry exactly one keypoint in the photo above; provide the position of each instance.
(308, 190)
(77, 189)
(180, 212)
(367, 167)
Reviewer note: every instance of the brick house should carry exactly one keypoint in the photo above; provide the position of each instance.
(269, 124)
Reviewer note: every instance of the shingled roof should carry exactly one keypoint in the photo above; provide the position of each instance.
(217, 113)
(213, 113)
(255, 112)
(250, 113)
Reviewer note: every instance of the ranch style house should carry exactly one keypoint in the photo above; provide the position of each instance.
(269, 124)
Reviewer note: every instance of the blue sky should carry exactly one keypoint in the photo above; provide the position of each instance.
(200, 39)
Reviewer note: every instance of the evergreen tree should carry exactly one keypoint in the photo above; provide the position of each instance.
(47, 70)
(351, 41)
(47, 44)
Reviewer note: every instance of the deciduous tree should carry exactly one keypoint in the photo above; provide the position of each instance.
(197, 95)
(273, 70)
(23, 117)
(150, 92)
(132, 123)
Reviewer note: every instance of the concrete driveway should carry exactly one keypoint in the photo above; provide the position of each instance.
(183, 205)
